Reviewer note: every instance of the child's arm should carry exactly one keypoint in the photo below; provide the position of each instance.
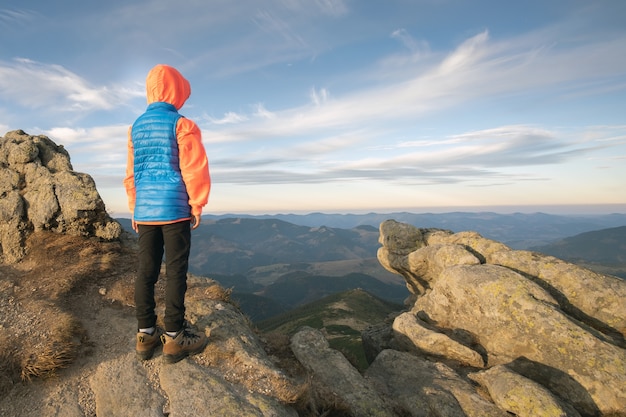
(129, 180)
(194, 165)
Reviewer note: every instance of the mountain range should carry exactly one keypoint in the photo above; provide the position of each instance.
(273, 266)
(516, 230)
(603, 250)
(606, 246)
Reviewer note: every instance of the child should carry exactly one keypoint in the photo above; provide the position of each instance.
(167, 183)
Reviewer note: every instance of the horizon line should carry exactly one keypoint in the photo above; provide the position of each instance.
(554, 209)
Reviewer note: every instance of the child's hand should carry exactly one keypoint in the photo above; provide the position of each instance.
(195, 222)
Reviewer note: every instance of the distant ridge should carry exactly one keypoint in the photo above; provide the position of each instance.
(517, 230)
(606, 246)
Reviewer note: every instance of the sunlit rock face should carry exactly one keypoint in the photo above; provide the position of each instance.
(548, 321)
(40, 191)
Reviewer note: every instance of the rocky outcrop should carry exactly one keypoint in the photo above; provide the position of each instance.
(551, 334)
(40, 191)
(487, 332)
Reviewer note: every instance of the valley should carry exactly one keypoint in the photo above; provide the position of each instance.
(274, 266)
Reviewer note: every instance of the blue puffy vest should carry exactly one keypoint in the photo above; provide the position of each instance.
(161, 195)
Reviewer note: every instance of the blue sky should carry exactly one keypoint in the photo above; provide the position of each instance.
(340, 105)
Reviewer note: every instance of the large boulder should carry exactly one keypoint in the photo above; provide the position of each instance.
(512, 317)
(549, 322)
(39, 191)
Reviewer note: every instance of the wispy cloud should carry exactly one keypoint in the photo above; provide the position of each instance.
(228, 118)
(37, 85)
(99, 150)
(477, 69)
(324, 92)
(11, 18)
(335, 8)
(272, 23)
(467, 157)
(319, 97)
(342, 150)
(416, 47)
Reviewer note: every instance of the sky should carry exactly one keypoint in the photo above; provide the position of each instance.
(340, 106)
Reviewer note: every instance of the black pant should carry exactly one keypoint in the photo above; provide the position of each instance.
(175, 239)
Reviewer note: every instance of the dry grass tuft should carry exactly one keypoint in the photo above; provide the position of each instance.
(288, 392)
(34, 298)
(48, 360)
(217, 292)
(53, 349)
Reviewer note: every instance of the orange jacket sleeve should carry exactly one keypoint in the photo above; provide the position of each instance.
(129, 180)
(194, 164)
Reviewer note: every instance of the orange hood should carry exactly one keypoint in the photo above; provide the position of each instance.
(166, 84)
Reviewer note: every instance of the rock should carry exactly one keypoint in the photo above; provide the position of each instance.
(197, 391)
(121, 387)
(21, 152)
(399, 240)
(12, 227)
(513, 317)
(66, 404)
(423, 388)
(52, 156)
(40, 191)
(9, 180)
(11, 206)
(411, 333)
(593, 298)
(231, 336)
(473, 241)
(375, 339)
(402, 238)
(331, 370)
(425, 264)
(551, 322)
(521, 396)
(41, 205)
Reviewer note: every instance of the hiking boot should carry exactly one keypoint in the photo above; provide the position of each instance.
(147, 344)
(188, 341)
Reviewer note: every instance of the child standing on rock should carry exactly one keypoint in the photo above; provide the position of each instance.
(167, 183)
